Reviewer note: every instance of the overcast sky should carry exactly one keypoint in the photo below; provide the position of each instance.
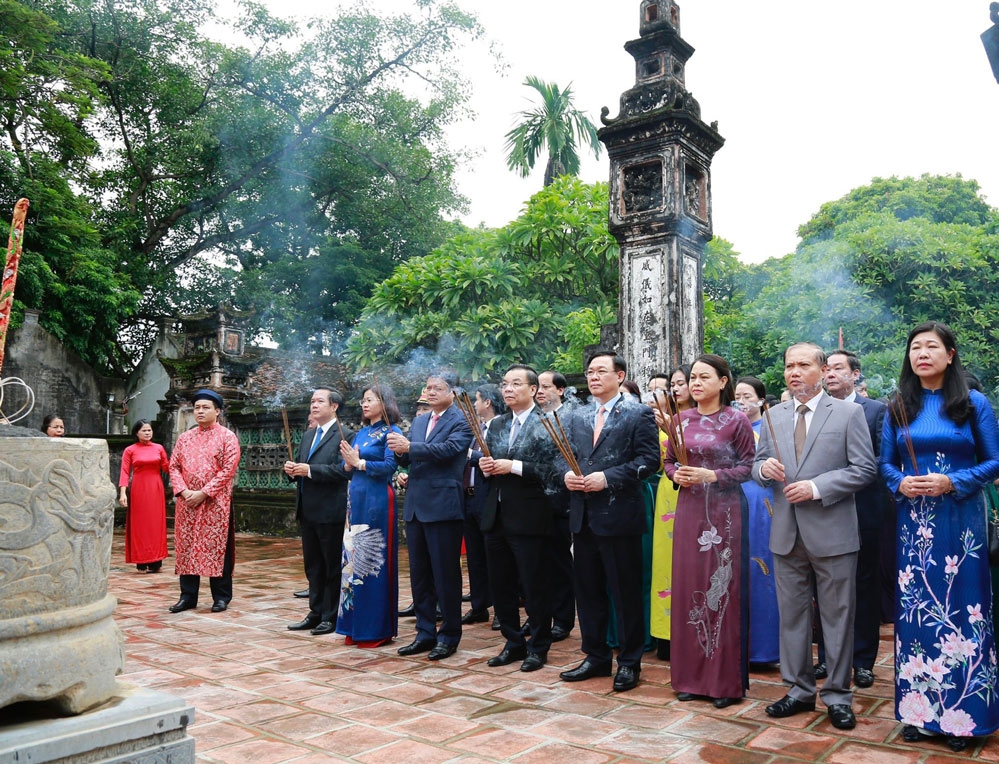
(813, 99)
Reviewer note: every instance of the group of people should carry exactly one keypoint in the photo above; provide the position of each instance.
(710, 526)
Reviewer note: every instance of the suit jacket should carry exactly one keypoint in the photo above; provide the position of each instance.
(436, 465)
(322, 498)
(627, 452)
(526, 504)
(837, 457)
(872, 500)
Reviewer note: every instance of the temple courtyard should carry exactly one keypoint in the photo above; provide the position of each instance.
(263, 694)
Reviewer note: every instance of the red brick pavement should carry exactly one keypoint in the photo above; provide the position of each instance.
(266, 695)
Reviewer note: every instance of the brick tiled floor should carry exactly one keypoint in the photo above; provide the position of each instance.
(265, 694)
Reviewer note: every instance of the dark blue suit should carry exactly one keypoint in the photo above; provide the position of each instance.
(607, 526)
(434, 514)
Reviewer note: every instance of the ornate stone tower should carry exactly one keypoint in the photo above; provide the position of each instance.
(660, 199)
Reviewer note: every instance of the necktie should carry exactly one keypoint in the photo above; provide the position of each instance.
(599, 424)
(799, 431)
(433, 423)
(514, 431)
(315, 443)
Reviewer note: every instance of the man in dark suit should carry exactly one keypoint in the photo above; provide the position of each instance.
(842, 374)
(825, 458)
(434, 514)
(518, 519)
(551, 389)
(321, 509)
(617, 447)
(488, 405)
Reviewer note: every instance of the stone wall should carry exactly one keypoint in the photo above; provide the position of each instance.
(63, 383)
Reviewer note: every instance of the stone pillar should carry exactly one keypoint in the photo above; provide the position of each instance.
(660, 200)
(58, 640)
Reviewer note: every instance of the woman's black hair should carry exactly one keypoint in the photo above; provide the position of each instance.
(139, 424)
(758, 387)
(720, 365)
(957, 399)
(390, 409)
(47, 422)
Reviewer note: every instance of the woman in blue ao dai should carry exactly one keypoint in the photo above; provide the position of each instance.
(940, 446)
(369, 586)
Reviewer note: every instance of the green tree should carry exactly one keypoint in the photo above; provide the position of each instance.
(536, 291)
(47, 96)
(554, 125)
(873, 264)
(257, 173)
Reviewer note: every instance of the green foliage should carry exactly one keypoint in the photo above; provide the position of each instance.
(287, 174)
(536, 291)
(556, 125)
(875, 263)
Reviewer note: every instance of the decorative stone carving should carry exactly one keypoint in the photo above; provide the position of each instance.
(58, 640)
(642, 187)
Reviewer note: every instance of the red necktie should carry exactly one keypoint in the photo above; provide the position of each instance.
(599, 425)
(433, 423)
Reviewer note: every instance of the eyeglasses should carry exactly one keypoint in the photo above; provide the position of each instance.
(598, 372)
(518, 383)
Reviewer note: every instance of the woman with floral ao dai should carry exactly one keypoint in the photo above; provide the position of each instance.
(945, 658)
(369, 587)
(709, 657)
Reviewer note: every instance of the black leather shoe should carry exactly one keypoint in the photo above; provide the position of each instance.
(586, 670)
(417, 646)
(863, 677)
(182, 604)
(559, 633)
(323, 627)
(957, 744)
(725, 702)
(219, 606)
(309, 622)
(304, 594)
(626, 678)
(910, 734)
(442, 650)
(841, 716)
(409, 612)
(533, 662)
(788, 706)
(475, 616)
(496, 624)
(821, 671)
(686, 697)
(507, 656)
(466, 597)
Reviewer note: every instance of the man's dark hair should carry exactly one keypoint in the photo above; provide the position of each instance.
(492, 393)
(851, 358)
(332, 395)
(448, 377)
(619, 363)
(532, 375)
(558, 379)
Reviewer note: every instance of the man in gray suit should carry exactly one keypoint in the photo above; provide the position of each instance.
(822, 456)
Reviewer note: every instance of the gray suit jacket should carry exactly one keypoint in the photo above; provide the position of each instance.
(837, 457)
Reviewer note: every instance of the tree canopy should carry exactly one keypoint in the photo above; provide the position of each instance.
(286, 173)
(875, 263)
(535, 291)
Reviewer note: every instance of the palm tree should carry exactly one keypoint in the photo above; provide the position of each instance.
(554, 125)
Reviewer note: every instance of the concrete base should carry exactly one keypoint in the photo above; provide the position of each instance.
(136, 725)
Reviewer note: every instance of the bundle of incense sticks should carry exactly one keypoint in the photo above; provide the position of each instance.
(902, 418)
(770, 426)
(555, 431)
(673, 429)
(287, 433)
(468, 409)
